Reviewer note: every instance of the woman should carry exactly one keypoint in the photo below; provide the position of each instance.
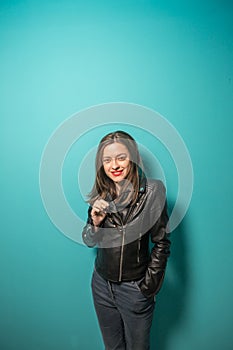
(126, 209)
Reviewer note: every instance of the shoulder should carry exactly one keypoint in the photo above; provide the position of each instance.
(156, 194)
(155, 185)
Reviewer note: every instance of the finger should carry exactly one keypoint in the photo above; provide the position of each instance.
(103, 204)
(98, 205)
(99, 213)
(98, 209)
(95, 214)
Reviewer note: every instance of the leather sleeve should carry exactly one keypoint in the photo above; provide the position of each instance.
(155, 272)
(89, 236)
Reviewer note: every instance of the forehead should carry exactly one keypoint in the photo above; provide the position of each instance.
(114, 149)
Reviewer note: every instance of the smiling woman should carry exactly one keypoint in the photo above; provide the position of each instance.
(126, 209)
(119, 158)
(116, 162)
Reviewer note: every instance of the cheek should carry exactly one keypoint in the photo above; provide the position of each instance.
(127, 166)
(106, 168)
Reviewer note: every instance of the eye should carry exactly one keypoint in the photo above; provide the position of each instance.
(106, 160)
(121, 158)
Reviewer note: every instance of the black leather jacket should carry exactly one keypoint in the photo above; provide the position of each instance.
(122, 240)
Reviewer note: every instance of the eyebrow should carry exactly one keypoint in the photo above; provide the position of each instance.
(118, 155)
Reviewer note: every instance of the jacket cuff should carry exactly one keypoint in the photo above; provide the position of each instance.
(89, 235)
(153, 286)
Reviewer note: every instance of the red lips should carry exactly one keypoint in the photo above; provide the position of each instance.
(116, 173)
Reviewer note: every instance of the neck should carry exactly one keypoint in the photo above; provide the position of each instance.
(118, 187)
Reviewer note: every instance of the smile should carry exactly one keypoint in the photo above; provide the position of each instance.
(117, 173)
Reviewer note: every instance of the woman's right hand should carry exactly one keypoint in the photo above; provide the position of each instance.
(98, 211)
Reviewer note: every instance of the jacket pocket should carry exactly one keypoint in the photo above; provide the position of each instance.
(137, 283)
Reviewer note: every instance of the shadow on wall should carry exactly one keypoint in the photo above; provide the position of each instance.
(171, 300)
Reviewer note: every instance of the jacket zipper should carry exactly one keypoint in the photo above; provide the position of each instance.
(130, 213)
(122, 253)
(139, 247)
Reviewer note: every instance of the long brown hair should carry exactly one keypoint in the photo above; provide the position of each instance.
(103, 185)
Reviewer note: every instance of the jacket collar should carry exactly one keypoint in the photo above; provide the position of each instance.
(142, 184)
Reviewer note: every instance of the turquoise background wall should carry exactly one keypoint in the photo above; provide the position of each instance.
(59, 57)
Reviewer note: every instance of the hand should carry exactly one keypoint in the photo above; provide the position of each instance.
(98, 211)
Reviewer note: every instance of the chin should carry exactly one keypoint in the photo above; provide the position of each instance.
(117, 180)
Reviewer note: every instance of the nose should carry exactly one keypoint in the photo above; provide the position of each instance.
(115, 164)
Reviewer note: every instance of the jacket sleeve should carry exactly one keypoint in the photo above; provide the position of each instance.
(89, 236)
(155, 272)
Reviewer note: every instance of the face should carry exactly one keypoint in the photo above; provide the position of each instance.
(116, 161)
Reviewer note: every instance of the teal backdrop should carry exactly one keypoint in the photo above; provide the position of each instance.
(60, 57)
